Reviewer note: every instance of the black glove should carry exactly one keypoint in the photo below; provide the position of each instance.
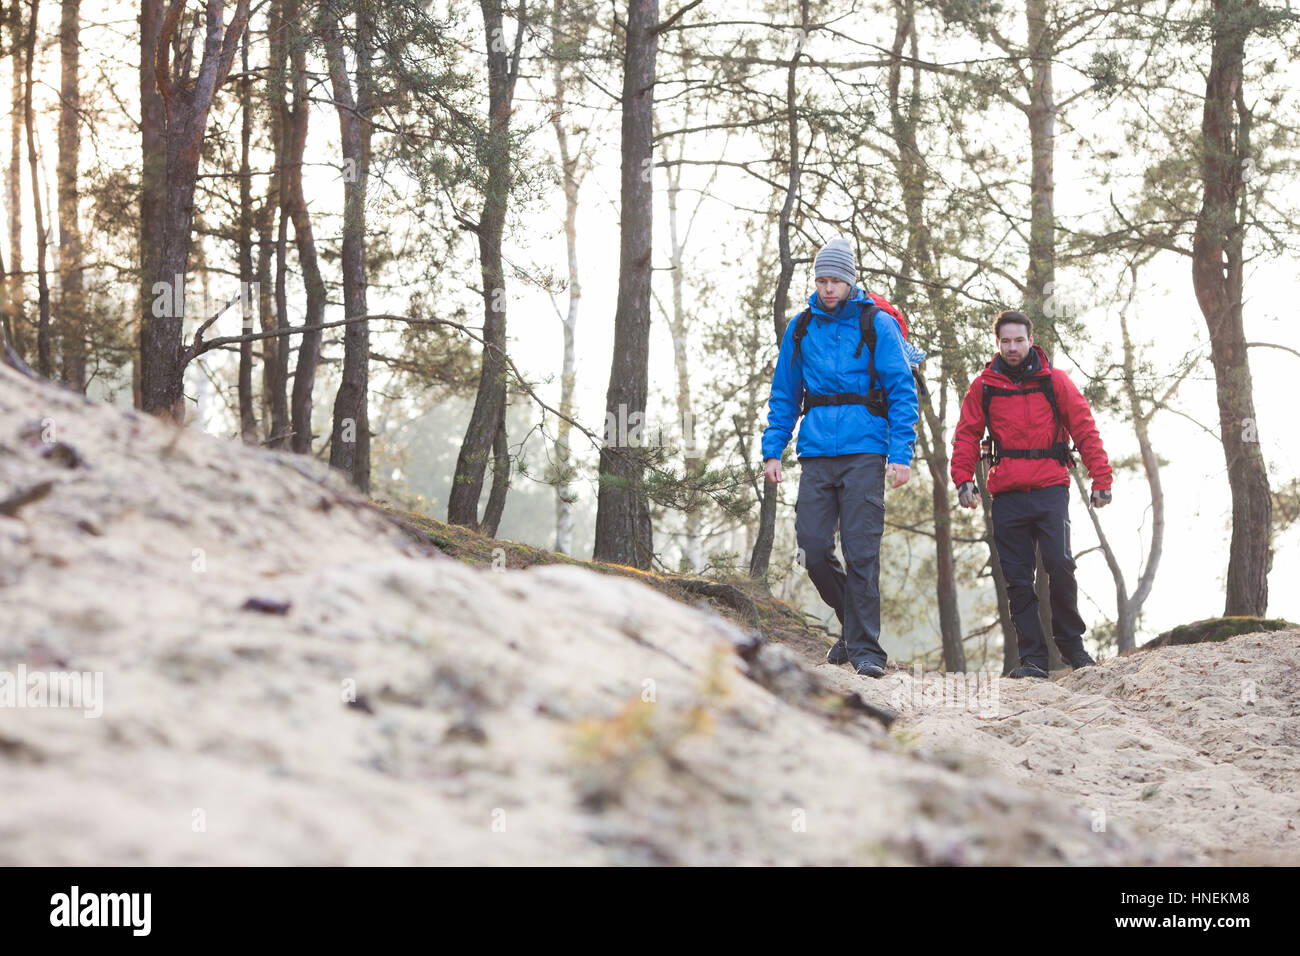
(967, 494)
(1099, 498)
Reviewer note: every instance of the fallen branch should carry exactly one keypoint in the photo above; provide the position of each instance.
(9, 506)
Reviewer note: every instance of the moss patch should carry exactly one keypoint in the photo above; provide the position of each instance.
(1218, 629)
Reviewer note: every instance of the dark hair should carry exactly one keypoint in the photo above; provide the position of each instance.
(1012, 317)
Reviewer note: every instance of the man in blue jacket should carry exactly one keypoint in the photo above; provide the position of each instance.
(860, 413)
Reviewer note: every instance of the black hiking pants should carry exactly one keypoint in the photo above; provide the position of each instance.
(849, 489)
(1021, 520)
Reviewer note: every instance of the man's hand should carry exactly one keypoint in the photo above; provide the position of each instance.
(968, 496)
(772, 470)
(1099, 498)
(898, 474)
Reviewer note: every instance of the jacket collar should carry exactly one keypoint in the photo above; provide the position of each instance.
(996, 368)
(844, 311)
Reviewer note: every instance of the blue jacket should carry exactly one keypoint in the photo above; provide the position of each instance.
(826, 366)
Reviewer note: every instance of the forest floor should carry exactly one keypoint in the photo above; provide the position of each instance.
(274, 670)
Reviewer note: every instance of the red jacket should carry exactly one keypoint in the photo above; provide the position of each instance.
(1027, 422)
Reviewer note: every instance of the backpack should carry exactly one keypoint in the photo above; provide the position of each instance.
(1059, 450)
(875, 397)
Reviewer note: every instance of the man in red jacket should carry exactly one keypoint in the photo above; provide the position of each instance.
(1031, 411)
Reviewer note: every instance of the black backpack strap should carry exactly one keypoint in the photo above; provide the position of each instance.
(801, 329)
(1049, 391)
(1058, 450)
(1060, 440)
(874, 400)
(867, 337)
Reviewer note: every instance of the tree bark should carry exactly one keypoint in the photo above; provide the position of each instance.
(1043, 590)
(72, 312)
(295, 128)
(1218, 276)
(1041, 278)
(7, 354)
(1151, 465)
(284, 429)
(1010, 643)
(6, 329)
(44, 359)
(623, 531)
(275, 359)
(153, 179)
(695, 463)
(15, 311)
(273, 401)
(762, 553)
(350, 437)
(496, 503)
(910, 170)
(570, 169)
(1129, 608)
(488, 416)
(186, 101)
(247, 411)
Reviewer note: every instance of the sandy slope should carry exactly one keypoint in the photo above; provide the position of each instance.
(1196, 747)
(410, 709)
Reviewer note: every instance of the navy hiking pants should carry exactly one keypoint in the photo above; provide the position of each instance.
(849, 489)
(1021, 520)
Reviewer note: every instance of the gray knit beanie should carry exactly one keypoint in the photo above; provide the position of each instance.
(836, 261)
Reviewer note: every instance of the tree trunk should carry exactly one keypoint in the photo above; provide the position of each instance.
(954, 651)
(280, 416)
(623, 531)
(15, 310)
(679, 329)
(273, 402)
(247, 412)
(568, 375)
(7, 354)
(44, 360)
(1043, 590)
(1041, 278)
(488, 416)
(6, 327)
(275, 360)
(350, 437)
(153, 182)
(910, 169)
(1010, 643)
(1151, 464)
(295, 127)
(1129, 609)
(1218, 276)
(72, 312)
(762, 553)
(186, 101)
(500, 481)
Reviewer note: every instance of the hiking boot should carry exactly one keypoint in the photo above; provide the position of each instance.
(838, 654)
(868, 669)
(1029, 670)
(1078, 658)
